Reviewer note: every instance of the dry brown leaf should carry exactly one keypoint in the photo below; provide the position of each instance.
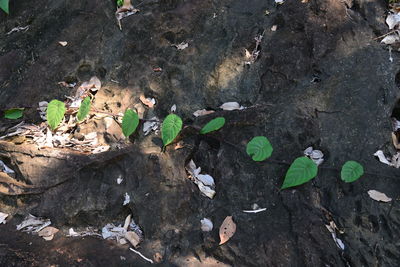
(227, 230)
(395, 141)
(48, 233)
(133, 238)
(378, 196)
(62, 43)
(157, 257)
(147, 101)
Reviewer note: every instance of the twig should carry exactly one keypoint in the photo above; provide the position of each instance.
(141, 255)
(386, 34)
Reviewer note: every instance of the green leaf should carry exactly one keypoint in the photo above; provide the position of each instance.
(84, 109)
(259, 148)
(351, 171)
(213, 125)
(130, 122)
(301, 171)
(120, 3)
(170, 128)
(4, 5)
(55, 113)
(14, 113)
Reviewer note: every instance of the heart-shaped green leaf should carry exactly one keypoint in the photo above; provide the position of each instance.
(259, 148)
(4, 5)
(301, 171)
(213, 125)
(55, 113)
(351, 171)
(170, 128)
(130, 122)
(14, 113)
(84, 109)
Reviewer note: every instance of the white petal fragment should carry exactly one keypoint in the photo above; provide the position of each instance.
(127, 199)
(206, 225)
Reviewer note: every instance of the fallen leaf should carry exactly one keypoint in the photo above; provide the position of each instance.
(3, 217)
(158, 69)
(173, 108)
(62, 43)
(378, 196)
(393, 20)
(274, 28)
(279, 2)
(181, 46)
(390, 39)
(247, 54)
(382, 157)
(95, 83)
(150, 102)
(48, 233)
(125, 11)
(206, 225)
(202, 112)
(227, 230)
(206, 179)
(133, 238)
(231, 106)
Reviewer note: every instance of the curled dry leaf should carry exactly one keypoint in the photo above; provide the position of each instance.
(125, 11)
(395, 141)
(378, 196)
(48, 233)
(63, 43)
(150, 102)
(133, 238)
(227, 230)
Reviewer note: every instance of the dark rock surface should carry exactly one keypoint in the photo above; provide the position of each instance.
(320, 80)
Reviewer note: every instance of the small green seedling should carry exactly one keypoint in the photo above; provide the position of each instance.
(170, 128)
(213, 125)
(4, 5)
(259, 148)
(351, 171)
(301, 171)
(55, 113)
(130, 122)
(84, 109)
(14, 113)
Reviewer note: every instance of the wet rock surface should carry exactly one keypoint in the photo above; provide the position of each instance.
(320, 80)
